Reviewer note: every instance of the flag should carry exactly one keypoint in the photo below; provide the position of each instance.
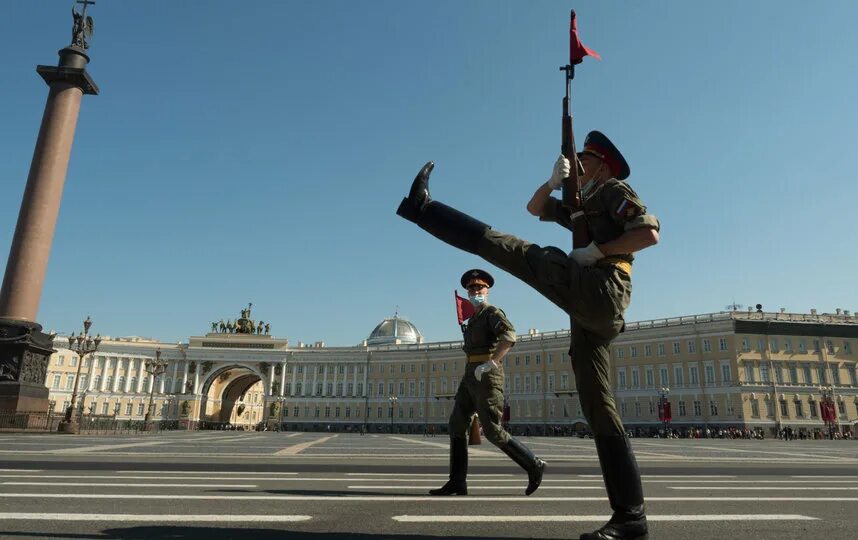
(464, 308)
(577, 50)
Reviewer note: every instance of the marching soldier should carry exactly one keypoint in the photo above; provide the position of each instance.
(592, 284)
(488, 336)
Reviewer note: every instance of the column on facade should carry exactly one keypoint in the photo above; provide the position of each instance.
(304, 382)
(141, 376)
(270, 379)
(151, 384)
(127, 386)
(315, 377)
(90, 380)
(175, 376)
(325, 380)
(103, 383)
(355, 381)
(197, 380)
(185, 377)
(283, 378)
(334, 385)
(161, 383)
(115, 384)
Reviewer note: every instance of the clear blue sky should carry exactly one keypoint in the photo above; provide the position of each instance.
(256, 152)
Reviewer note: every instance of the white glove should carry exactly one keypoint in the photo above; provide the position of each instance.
(560, 172)
(587, 256)
(485, 367)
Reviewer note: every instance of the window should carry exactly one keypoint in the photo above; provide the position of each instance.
(636, 378)
(527, 360)
(60, 360)
(622, 408)
(104, 407)
(647, 350)
(549, 358)
(749, 372)
(713, 408)
(139, 409)
(841, 406)
(784, 409)
(110, 382)
(319, 387)
(677, 376)
(847, 347)
(769, 410)
(722, 344)
(401, 389)
(820, 375)
(764, 372)
(707, 346)
(650, 377)
(633, 351)
(787, 346)
(564, 381)
(853, 375)
(620, 352)
(710, 373)
(550, 382)
(637, 408)
(697, 409)
(681, 408)
(330, 389)
(537, 383)
(779, 373)
(801, 346)
(661, 349)
(799, 413)
(793, 373)
(299, 388)
(621, 379)
(692, 375)
(773, 345)
(675, 347)
(662, 375)
(829, 345)
(725, 373)
(746, 345)
(73, 361)
(755, 408)
(835, 374)
(336, 412)
(350, 389)
(537, 359)
(128, 407)
(812, 409)
(808, 378)
(816, 345)
(122, 383)
(692, 347)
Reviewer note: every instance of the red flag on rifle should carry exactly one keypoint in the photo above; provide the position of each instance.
(577, 50)
(464, 308)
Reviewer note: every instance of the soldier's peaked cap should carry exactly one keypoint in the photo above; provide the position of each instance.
(601, 146)
(478, 276)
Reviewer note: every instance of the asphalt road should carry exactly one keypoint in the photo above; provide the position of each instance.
(321, 486)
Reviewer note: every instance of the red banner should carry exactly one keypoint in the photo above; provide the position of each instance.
(464, 308)
(577, 50)
(664, 413)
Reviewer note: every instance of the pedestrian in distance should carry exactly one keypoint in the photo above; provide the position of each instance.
(488, 336)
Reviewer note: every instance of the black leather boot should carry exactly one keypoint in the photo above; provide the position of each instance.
(527, 461)
(441, 221)
(458, 470)
(623, 483)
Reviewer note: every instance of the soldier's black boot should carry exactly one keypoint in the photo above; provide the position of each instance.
(527, 461)
(458, 470)
(623, 482)
(441, 221)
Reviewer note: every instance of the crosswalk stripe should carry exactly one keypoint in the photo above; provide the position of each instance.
(298, 448)
(113, 484)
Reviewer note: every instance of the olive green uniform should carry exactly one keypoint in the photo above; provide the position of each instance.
(595, 297)
(485, 397)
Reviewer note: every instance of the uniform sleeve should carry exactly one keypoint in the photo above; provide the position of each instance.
(626, 208)
(556, 212)
(500, 326)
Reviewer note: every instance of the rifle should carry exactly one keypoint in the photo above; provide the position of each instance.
(572, 198)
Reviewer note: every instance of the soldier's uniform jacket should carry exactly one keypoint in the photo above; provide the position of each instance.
(612, 209)
(485, 329)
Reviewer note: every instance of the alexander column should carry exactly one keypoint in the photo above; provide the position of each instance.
(24, 348)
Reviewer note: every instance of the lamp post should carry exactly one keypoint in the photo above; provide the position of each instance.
(828, 410)
(154, 368)
(392, 400)
(82, 345)
(664, 408)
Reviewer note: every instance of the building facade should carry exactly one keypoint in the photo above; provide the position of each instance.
(756, 370)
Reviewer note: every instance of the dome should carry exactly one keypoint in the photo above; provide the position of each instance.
(394, 331)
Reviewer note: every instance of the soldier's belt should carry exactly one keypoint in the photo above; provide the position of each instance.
(479, 357)
(617, 263)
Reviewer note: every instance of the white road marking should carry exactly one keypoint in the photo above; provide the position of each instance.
(208, 472)
(649, 517)
(471, 451)
(826, 476)
(668, 476)
(104, 484)
(298, 448)
(472, 487)
(103, 447)
(437, 475)
(768, 488)
(22, 470)
(404, 498)
(213, 518)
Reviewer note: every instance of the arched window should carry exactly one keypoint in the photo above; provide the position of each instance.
(97, 382)
(121, 383)
(168, 384)
(178, 387)
(133, 386)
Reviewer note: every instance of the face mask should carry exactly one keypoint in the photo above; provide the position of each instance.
(477, 300)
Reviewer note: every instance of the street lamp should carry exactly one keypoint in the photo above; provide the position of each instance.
(392, 400)
(82, 345)
(828, 410)
(154, 368)
(664, 408)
